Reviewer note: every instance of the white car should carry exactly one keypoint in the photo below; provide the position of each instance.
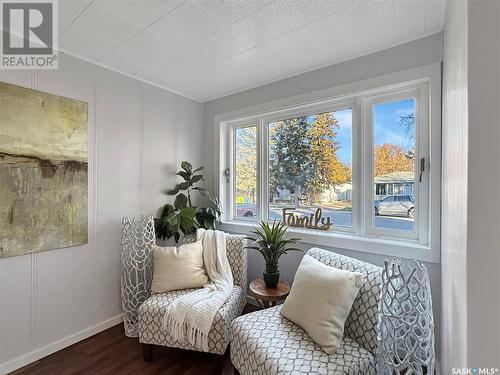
(402, 205)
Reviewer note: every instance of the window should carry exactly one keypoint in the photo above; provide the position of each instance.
(245, 177)
(394, 123)
(394, 163)
(380, 189)
(362, 159)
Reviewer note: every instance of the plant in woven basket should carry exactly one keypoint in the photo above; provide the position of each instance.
(270, 241)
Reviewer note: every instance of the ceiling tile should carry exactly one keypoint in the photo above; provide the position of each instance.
(264, 70)
(141, 50)
(170, 81)
(167, 41)
(86, 43)
(265, 24)
(317, 9)
(223, 71)
(123, 63)
(404, 10)
(210, 50)
(183, 62)
(332, 32)
(69, 10)
(227, 12)
(251, 61)
(140, 13)
(189, 20)
(304, 62)
(290, 44)
(106, 22)
(434, 16)
(200, 79)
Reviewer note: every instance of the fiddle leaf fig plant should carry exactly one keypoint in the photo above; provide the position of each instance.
(182, 216)
(190, 178)
(207, 217)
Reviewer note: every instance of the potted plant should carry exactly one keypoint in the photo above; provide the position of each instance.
(271, 243)
(182, 216)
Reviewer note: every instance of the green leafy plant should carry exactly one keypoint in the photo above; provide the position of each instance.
(182, 216)
(270, 241)
(208, 217)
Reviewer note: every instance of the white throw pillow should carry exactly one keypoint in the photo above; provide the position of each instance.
(320, 300)
(178, 268)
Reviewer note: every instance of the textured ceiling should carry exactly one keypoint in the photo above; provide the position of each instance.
(205, 49)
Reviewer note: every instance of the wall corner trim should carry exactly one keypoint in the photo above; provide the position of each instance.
(55, 346)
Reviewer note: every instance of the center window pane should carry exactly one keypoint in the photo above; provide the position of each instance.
(310, 166)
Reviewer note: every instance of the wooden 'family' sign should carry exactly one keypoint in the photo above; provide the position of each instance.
(313, 221)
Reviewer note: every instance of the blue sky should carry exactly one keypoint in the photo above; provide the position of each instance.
(386, 127)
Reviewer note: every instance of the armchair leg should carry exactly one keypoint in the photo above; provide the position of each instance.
(227, 366)
(147, 352)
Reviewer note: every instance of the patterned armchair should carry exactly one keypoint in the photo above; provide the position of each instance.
(266, 343)
(152, 311)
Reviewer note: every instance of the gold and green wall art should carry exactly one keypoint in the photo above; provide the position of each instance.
(43, 171)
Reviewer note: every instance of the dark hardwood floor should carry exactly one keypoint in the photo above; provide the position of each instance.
(111, 352)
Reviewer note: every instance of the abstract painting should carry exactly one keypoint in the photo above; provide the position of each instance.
(43, 171)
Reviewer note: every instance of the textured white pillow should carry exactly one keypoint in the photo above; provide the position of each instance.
(320, 300)
(178, 268)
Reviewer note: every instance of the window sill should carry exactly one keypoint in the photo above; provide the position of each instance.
(381, 246)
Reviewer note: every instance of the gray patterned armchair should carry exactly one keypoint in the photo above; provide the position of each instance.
(152, 311)
(266, 343)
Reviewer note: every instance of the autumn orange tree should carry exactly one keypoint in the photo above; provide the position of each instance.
(390, 158)
(246, 163)
(329, 170)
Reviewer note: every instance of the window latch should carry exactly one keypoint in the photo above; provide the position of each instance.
(422, 169)
(227, 173)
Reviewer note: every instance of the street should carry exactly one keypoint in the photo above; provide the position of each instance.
(341, 218)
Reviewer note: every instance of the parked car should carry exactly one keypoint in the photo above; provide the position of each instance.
(395, 205)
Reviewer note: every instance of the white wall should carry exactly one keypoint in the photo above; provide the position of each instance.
(138, 134)
(410, 55)
(483, 210)
(454, 188)
(471, 151)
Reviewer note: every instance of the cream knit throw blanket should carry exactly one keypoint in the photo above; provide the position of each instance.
(189, 317)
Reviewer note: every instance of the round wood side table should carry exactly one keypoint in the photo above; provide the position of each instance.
(267, 297)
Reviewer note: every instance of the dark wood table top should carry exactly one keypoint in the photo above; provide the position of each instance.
(259, 290)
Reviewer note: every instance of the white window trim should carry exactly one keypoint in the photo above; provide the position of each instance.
(334, 97)
(419, 92)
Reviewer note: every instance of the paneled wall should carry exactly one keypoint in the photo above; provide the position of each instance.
(138, 135)
(454, 187)
(471, 139)
(483, 233)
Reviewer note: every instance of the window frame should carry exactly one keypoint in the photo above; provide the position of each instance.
(420, 93)
(232, 188)
(359, 239)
